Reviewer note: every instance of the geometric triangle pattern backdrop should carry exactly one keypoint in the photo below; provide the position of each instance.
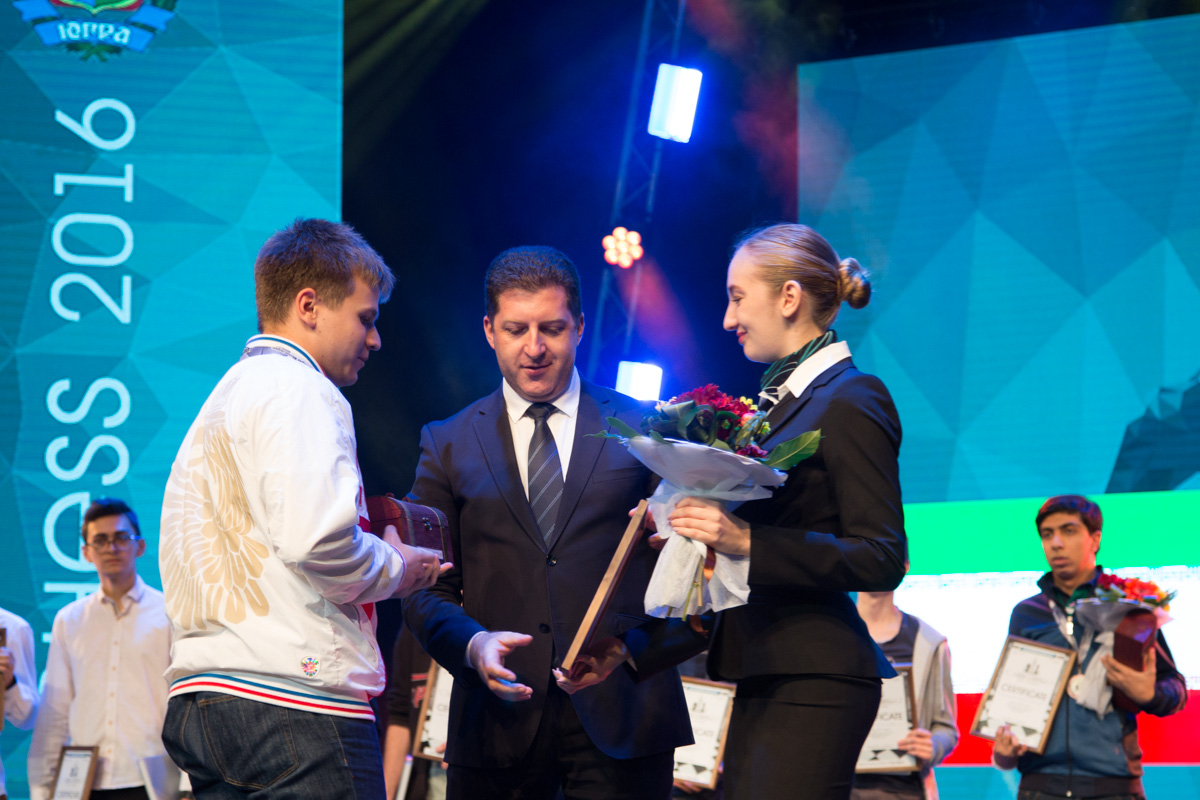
(1030, 211)
(146, 154)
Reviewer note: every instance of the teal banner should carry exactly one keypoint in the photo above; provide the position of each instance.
(148, 149)
(1030, 210)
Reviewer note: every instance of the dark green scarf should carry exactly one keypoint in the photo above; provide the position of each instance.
(778, 373)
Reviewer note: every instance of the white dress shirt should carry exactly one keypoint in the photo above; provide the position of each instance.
(812, 367)
(21, 699)
(104, 686)
(562, 425)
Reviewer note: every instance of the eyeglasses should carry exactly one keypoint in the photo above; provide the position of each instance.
(121, 540)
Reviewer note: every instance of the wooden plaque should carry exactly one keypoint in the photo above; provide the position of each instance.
(710, 705)
(75, 773)
(608, 585)
(1025, 691)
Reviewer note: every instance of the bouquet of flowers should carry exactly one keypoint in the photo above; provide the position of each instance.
(1113, 589)
(705, 443)
(1126, 613)
(1116, 597)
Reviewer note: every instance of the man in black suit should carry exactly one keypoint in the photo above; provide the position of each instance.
(536, 508)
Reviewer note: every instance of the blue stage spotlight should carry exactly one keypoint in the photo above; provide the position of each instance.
(643, 381)
(674, 108)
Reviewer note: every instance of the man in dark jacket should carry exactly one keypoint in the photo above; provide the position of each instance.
(1090, 753)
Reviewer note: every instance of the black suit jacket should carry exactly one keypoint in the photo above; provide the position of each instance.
(834, 527)
(507, 578)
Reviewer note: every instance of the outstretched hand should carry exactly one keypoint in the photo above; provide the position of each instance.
(593, 665)
(486, 654)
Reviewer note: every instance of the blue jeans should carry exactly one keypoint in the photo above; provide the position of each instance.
(235, 748)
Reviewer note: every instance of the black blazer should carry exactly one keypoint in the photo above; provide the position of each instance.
(834, 527)
(507, 578)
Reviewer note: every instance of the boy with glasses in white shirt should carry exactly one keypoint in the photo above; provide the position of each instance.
(104, 683)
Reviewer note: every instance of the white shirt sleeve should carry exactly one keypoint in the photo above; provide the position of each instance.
(50, 730)
(302, 449)
(22, 699)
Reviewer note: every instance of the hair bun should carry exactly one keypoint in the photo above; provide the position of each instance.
(853, 285)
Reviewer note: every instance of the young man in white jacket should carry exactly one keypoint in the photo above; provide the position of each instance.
(269, 577)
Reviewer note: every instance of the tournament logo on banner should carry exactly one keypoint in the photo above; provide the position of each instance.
(135, 191)
(98, 28)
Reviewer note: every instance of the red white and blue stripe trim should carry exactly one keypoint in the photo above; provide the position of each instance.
(273, 691)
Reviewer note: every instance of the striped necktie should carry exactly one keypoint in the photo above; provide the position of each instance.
(545, 470)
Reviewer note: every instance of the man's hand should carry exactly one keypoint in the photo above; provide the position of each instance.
(6, 669)
(421, 566)
(593, 665)
(918, 742)
(709, 522)
(486, 654)
(687, 787)
(1007, 749)
(1138, 686)
(656, 539)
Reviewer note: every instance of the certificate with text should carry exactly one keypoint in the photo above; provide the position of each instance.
(76, 771)
(896, 717)
(1025, 691)
(710, 705)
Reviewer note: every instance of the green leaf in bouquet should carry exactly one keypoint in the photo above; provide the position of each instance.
(753, 430)
(788, 454)
(607, 435)
(622, 428)
(684, 419)
(658, 437)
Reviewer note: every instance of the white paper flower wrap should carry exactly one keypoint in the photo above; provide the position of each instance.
(1104, 616)
(677, 587)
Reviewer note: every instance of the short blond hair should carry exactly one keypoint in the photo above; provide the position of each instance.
(794, 252)
(314, 254)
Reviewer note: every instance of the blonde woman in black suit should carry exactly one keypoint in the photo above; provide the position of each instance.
(807, 671)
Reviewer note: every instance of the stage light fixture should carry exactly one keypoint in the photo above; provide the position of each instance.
(673, 109)
(638, 380)
(622, 247)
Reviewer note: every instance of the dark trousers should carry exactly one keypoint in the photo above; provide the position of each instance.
(563, 757)
(231, 747)
(798, 736)
(129, 793)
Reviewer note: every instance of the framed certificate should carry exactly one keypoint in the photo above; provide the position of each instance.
(608, 585)
(76, 769)
(1025, 691)
(710, 705)
(433, 720)
(897, 716)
